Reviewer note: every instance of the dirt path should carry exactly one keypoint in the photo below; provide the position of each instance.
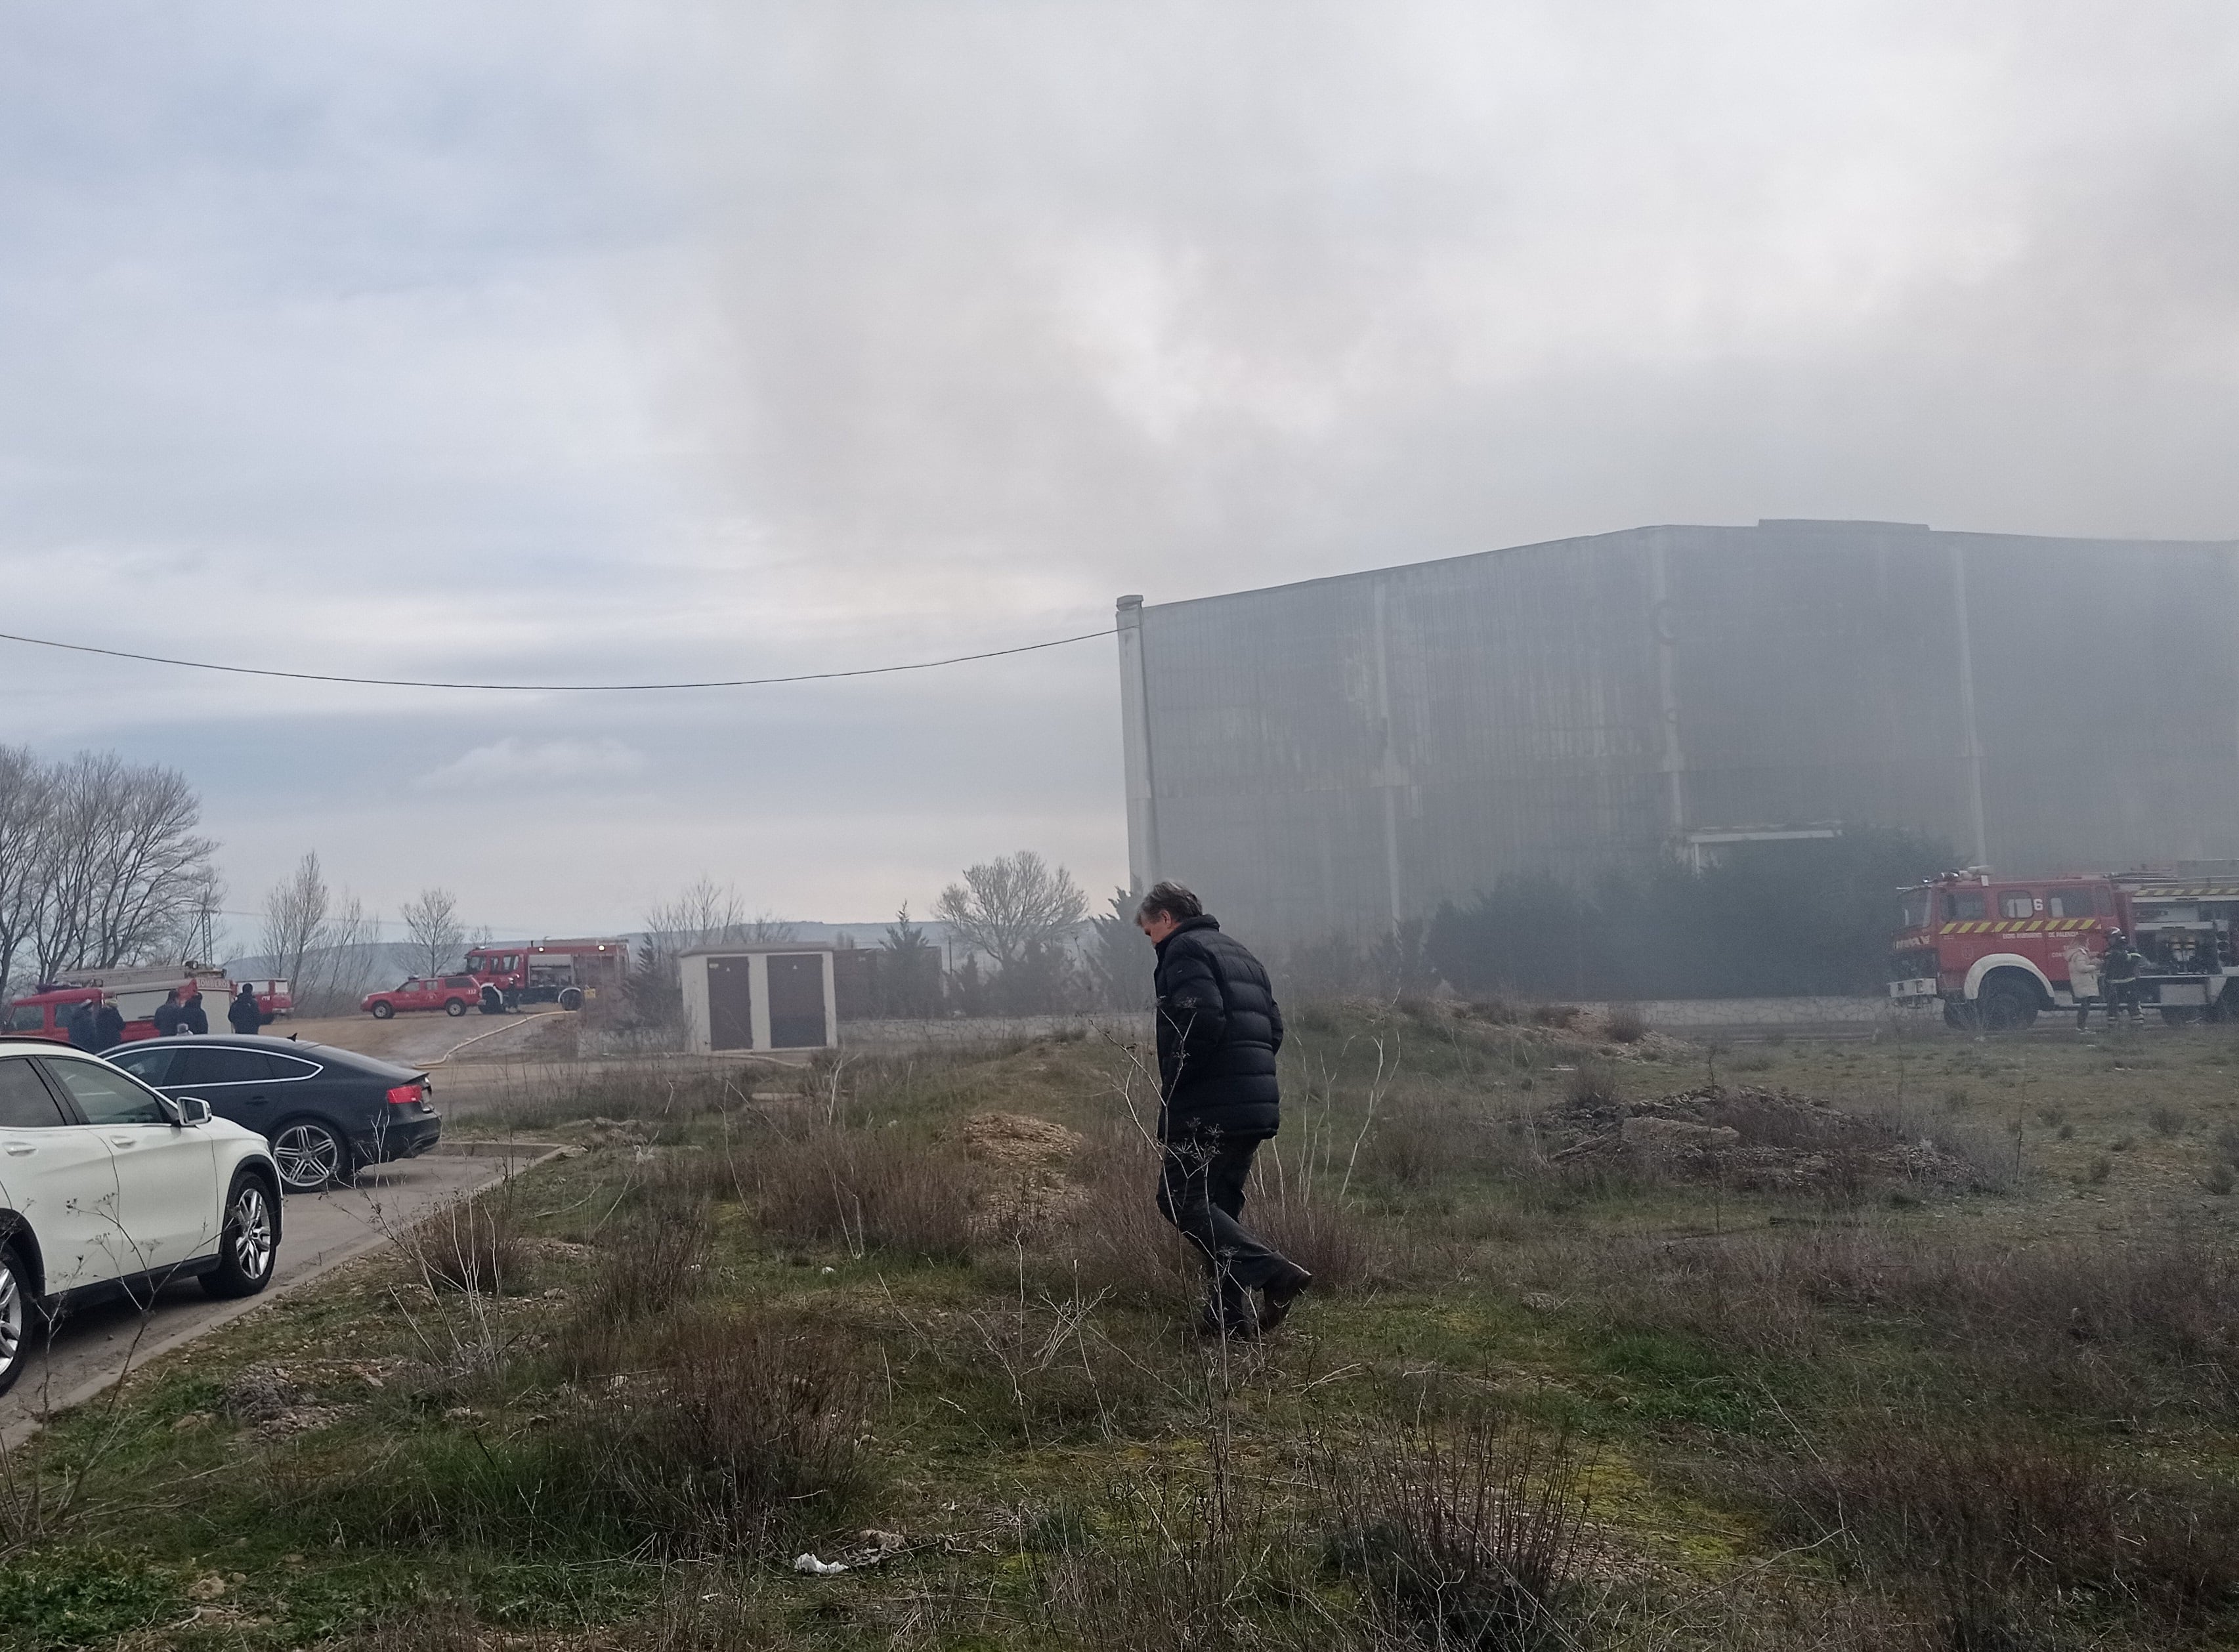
(410, 1040)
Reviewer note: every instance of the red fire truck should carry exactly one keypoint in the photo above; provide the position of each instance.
(564, 973)
(139, 993)
(1996, 952)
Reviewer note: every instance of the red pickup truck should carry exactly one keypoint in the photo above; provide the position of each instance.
(452, 994)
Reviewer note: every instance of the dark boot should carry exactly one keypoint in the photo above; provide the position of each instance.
(1230, 1312)
(1280, 1294)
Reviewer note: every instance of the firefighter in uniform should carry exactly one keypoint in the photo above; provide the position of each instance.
(2118, 978)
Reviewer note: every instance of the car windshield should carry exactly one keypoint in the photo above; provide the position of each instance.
(1912, 910)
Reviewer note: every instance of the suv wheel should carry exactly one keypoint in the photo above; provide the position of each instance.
(311, 1156)
(455, 1006)
(18, 1314)
(383, 1010)
(249, 1242)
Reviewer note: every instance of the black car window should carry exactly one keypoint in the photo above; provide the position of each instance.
(149, 1066)
(291, 1067)
(104, 1095)
(219, 1065)
(24, 1102)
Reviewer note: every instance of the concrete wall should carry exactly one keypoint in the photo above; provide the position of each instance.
(1333, 755)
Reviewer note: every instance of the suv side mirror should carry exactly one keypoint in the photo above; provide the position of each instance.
(186, 1110)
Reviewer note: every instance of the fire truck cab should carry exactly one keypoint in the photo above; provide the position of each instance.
(1994, 952)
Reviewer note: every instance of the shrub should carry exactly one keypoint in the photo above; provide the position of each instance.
(2225, 1143)
(752, 1423)
(732, 1429)
(1325, 1238)
(1593, 1084)
(2219, 1179)
(1988, 1517)
(1475, 1538)
(1117, 1242)
(1627, 1024)
(470, 1244)
(1410, 1149)
(1197, 1563)
(2166, 1119)
(1562, 1016)
(867, 1189)
(652, 1258)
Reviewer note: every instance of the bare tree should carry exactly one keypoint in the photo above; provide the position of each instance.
(1012, 906)
(25, 792)
(707, 914)
(431, 925)
(201, 933)
(342, 968)
(296, 918)
(120, 863)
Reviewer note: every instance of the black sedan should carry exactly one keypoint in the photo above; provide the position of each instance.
(327, 1112)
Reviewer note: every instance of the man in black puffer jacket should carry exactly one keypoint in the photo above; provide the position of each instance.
(1219, 1029)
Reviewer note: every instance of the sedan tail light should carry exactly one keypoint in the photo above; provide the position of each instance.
(405, 1096)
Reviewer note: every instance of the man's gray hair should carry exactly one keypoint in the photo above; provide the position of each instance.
(1172, 899)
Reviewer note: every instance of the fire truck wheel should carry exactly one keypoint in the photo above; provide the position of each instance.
(2179, 1015)
(2008, 1006)
(571, 998)
(381, 1012)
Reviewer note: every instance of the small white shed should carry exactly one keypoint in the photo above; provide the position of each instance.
(777, 996)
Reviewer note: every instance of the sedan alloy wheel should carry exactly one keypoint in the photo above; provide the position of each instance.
(309, 1156)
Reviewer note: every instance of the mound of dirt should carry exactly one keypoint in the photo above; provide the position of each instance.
(1027, 1188)
(1573, 1031)
(1018, 1141)
(1755, 1140)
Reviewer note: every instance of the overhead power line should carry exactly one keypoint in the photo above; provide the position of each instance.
(548, 687)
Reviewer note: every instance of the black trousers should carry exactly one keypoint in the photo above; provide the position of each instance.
(1201, 1193)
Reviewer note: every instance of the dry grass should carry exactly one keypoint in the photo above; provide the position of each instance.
(1996, 1525)
(728, 1431)
(649, 1260)
(1117, 1244)
(866, 1189)
(1328, 1239)
(747, 1422)
(2126, 1327)
(1626, 1025)
(471, 1245)
(1593, 1084)
(1201, 1560)
(1473, 1538)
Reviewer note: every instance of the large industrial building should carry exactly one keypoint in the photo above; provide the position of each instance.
(1332, 756)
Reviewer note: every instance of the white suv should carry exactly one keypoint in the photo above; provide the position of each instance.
(106, 1186)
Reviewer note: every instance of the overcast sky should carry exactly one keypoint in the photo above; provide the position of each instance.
(577, 341)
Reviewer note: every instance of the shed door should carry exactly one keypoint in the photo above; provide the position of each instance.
(730, 1005)
(796, 1000)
